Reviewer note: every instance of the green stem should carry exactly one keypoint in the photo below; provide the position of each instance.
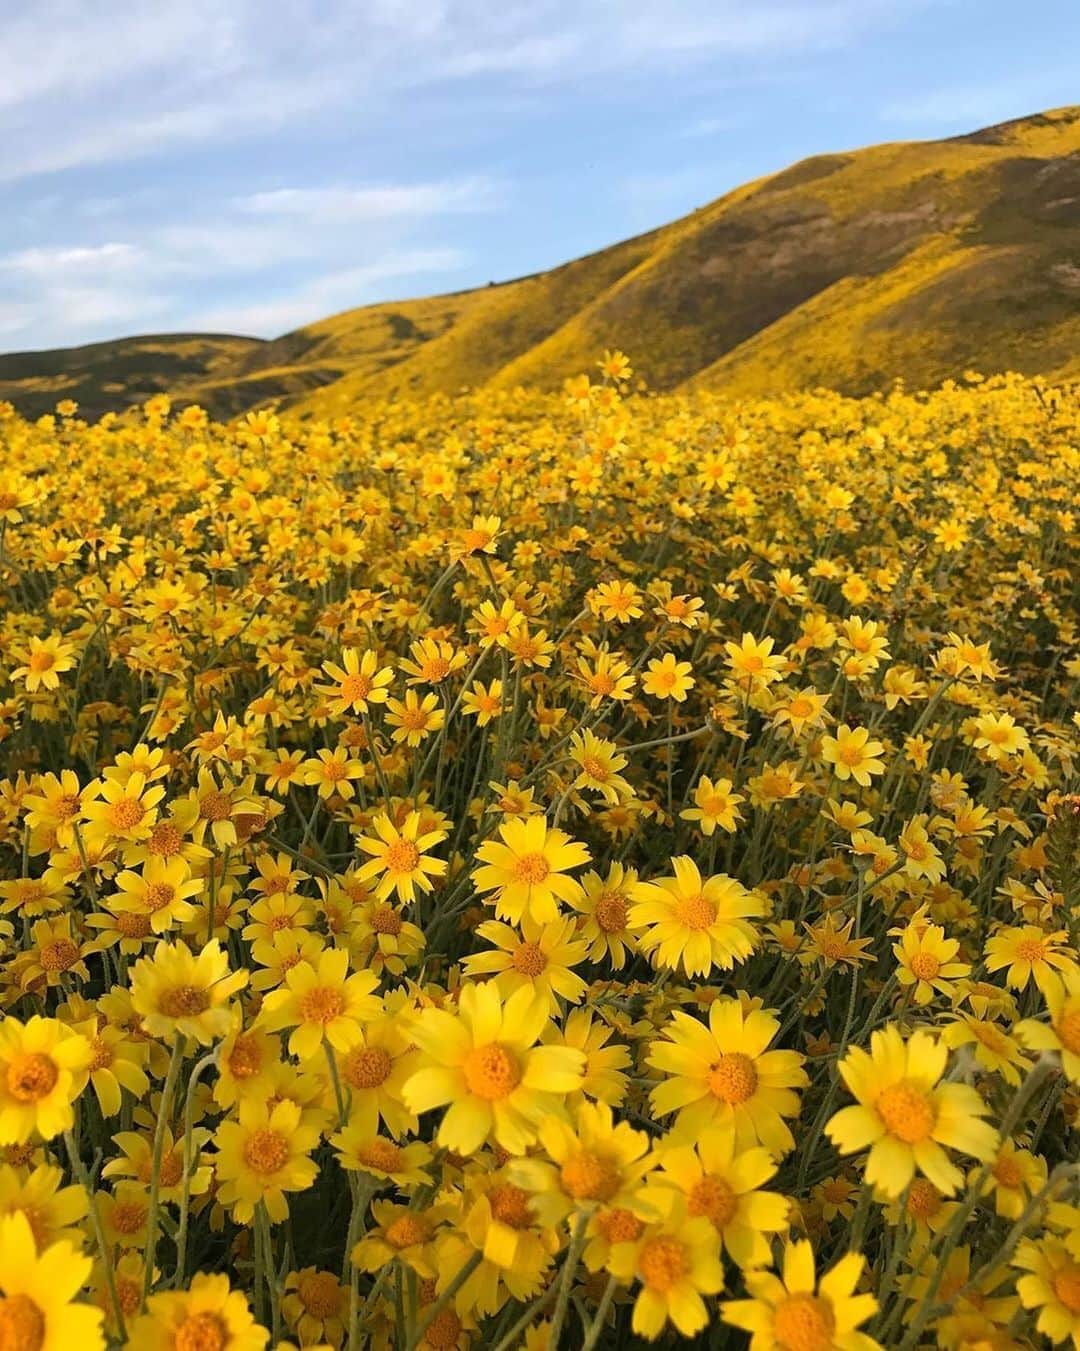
(164, 1111)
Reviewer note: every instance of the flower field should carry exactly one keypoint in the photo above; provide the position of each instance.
(542, 870)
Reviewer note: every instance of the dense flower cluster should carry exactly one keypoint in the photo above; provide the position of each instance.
(531, 869)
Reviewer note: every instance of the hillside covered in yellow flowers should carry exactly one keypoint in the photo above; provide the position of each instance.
(911, 260)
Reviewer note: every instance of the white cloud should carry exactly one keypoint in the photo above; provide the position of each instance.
(344, 205)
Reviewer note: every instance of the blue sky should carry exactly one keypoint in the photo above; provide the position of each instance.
(250, 165)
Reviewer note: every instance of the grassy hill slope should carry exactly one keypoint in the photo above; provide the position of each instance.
(103, 376)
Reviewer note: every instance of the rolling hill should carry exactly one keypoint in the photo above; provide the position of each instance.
(913, 259)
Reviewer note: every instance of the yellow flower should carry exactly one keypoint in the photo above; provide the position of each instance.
(400, 856)
(261, 1156)
(123, 811)
(798, 1313)
(403, 1164)
(905, 1116)
(1027, 951)
(44, 1066)
(416, 718)
(180, 995)
(316, 1307)
(715, 804)
(594, 1162)
(358, 683)
(600, 764)
(677, 1260)
(693, 922)
(160, 892)
(604, 903)
(321, 1001)
(209, 1315)
(668, 678)
(374, 1070)
(528, 870)
(538, 958)
(853, 753)
(1062, 1033)
(484, 1062)
(926, 964)
(44, 661)
(37, 1293)
(724, 1073)
(1052, 1286)
(722, 1183)
(751, 662)
(52, 1210)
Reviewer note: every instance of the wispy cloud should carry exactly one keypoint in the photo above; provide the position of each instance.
(123, 79)
(353, 205)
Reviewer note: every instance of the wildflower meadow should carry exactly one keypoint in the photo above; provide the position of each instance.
(545, 870)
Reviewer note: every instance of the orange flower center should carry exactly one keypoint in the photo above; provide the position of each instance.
(386, 920)
(159, 895)
(355, 688)
(619, 1225)
(321, 1004)
(1068, 1026)
(32, 1077)
(126, 813)
(662, 1263)
(733, 1079)
(367, 1066)
(266, 1151)
(695, 912)
(907, 1113)
(128, 1217)
(103, 1055)
(443, 1332)
(529, 960)
(22, 1324)
(531, 869)
(59, 956)
(205, 1331)
(590, 1177)
(1031, 950)
(594, 768)
(414, 719)
(407, 1230)
(491, 1072)
(41, 661)
(1007, 1171)
(610, 914)
(129, 925)
(215, 806)
(64, 808)
(245, 1058)
(924, 1199)
(185, 1001)
(320, 1293)
(401, 857)
(804, 1323)
(714, 1198)
(925, 966)
(1066, 1285)
(381, 1154)
(165, 840)
(510, 1206)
